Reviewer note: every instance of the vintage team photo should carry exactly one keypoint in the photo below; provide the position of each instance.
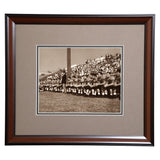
(79, 79)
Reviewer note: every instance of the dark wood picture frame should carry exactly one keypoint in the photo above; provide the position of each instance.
(10, 22)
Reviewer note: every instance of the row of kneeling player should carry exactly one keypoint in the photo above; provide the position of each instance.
(100, 90)
(110, 91)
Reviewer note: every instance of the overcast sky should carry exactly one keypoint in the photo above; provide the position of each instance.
(54, 58)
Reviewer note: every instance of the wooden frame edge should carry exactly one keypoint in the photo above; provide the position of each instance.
(12, 139)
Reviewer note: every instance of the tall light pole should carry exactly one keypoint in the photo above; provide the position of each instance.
(68, 62)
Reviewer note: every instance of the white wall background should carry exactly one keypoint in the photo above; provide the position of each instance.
(79, 7)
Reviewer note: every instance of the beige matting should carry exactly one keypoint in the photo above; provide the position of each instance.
(131, 37)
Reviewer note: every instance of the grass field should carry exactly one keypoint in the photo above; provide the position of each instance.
(60, 102)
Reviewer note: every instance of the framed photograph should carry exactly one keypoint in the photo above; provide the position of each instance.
(79, 79)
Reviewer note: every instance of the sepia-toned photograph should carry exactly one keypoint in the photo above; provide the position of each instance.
(79, 79)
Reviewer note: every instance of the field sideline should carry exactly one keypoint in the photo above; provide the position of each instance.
(60, 102)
